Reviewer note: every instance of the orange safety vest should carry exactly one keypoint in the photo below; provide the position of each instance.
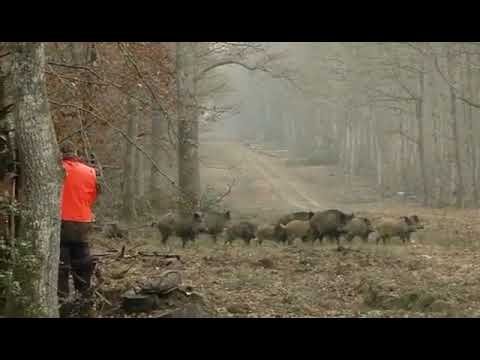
(79, 191)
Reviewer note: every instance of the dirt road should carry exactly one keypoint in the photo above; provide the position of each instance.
(265, 183)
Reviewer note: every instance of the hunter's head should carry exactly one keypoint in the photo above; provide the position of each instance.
(68, 149)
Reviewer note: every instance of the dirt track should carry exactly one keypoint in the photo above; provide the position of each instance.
(264, 182)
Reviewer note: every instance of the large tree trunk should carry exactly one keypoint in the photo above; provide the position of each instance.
(403, 155)
(82, 55)
(349, 152)
(160, 187)
(377, 149)
(41, 187)
(443, 156)
(421, 152)
(429, 84)
(304, 127)
(139, 175)
(188, 142)
(458, 161)
(8, 159)
(76, 50)
(129, 212)
(292, 138)
(438, 191)
(471, 137)
(420, 116)
(459, 186)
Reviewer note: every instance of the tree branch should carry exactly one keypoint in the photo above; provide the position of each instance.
(76, 67)
(72, 134)
(469, 102)
(226, 193)
(131, 59)
(401, 133)
(131, 141)
(261, 68)
(203, 72)
(391, 96)
(404, 87)
(445, 79)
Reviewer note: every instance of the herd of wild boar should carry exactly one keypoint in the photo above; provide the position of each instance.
(305, 225)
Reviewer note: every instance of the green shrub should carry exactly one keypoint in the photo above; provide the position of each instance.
(19, 269)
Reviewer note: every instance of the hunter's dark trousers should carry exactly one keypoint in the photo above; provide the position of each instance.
(75, 258)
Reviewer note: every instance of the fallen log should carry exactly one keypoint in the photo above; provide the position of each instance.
(156, 254)
(140, 253)
(122, 252)
(121, 274)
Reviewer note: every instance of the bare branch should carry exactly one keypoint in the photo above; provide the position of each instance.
(391, 96)
(72, 134)
(405, 135)
(469, 102)
(408, 68)
(77, 79)
(5, 110)
(76, 67)
(418, 49)
(104, 82)
(260, 66)
(403, 86)
(203, 72)
(130, 58)
(397, 109)
(449, 83)
(229, 190)
(131, 141)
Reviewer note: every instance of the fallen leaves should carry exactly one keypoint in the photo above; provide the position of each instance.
(305, 281)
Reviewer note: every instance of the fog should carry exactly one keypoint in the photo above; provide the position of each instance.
(402, 114)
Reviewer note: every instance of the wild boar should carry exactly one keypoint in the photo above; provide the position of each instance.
(358, 226)
(265, 232)
(280, 234)
(185, 228)
(242, 230)
(215, 223)
(329, 223)
(402, 227)
(297, 229)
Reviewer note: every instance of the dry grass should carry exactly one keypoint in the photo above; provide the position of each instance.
(433, 277)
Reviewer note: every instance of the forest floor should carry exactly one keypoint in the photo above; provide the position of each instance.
(438, 274)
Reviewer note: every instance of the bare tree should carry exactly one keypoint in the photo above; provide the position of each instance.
(41, 184)
(194, 62)
(188, 143)
(161, 191)
(129, 211)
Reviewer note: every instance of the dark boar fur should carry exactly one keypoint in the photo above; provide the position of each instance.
(358, 226)
(215, 223)
(244, 230)
(185, 228)
(329, 223)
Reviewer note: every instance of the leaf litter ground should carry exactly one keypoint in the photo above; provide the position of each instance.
(436, 276)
